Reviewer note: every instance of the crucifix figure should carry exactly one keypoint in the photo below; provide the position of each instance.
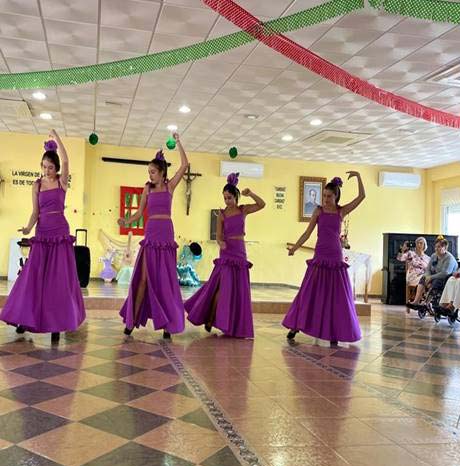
(189, 177)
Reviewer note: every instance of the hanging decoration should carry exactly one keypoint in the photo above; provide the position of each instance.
(93, 139)
(290, 49)
(269, 33)
(433, 10)
(169, 58)
(233, 152)
(171, 143)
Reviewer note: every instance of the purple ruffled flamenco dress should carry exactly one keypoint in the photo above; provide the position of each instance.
(324, 306)
(162, 301)
(46, 296)
(230, 279)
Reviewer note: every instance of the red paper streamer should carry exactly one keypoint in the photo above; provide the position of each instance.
(290, 49)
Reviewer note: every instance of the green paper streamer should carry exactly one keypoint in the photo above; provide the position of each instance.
(169, 58)
(434, 10)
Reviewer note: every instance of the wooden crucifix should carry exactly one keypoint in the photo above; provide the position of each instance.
(189, 177)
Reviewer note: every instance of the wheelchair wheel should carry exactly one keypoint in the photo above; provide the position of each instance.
(429, 307)
(452, 318)
(422, 313)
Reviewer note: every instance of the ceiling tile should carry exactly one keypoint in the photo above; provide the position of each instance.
(187, 21)
(19, 7)
(77, 56)
(23, 49)
(21, 27)
(83, 11)
(129, 14)
(125, 40)
(68, 33)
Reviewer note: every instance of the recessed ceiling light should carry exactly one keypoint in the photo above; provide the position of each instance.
(172, 127)
(287, 138)
(251, 116)
(184, 109)
(316, 122)
(46, 116)
(39, 95)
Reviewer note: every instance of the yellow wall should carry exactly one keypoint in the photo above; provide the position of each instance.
(24, 152)
(97, 184)
(384, 210)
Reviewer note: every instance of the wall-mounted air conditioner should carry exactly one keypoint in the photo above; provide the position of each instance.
(246, 170)
(399, 180)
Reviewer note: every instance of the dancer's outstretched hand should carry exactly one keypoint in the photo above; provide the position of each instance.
(122, 222)
(175, 135)
(246, 192)
(291, 250)
(352, 173)
(24, 230)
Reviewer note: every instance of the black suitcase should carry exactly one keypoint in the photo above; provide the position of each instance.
(83, 259)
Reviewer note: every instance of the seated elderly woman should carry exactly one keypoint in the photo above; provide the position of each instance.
(442, 264)
(416, 264)
(450, 298)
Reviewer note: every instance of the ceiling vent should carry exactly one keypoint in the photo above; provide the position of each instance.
(15, 108)
(449, 76)
(336, 138)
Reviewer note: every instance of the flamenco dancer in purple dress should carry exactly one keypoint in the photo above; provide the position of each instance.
(225, 300)
(46, 296)
(324, 306)
(154, 292)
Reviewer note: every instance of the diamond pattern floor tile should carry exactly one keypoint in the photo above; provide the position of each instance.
(99, 398)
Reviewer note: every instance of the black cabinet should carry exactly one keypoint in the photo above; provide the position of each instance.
(394, 271)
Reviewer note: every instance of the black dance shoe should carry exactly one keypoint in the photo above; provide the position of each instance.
(291, 335)
(208, 327)
(55, 336)
(128, 331)
(20, 329)
(166, 335)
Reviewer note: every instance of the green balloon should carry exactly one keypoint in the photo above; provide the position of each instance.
(171, 143)
(233, 152)
(93, 139)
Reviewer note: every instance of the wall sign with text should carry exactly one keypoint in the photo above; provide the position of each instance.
(27, 177)
(280, 197)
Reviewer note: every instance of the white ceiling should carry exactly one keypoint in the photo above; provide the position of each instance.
(392, 52)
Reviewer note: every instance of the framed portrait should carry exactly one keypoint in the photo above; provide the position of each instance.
(310, 195)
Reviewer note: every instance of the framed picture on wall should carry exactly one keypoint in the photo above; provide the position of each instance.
(310, 195)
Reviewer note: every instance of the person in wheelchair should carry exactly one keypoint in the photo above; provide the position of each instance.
(450, 298)
(441, 266)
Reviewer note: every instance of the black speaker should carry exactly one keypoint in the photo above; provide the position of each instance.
(82, 259)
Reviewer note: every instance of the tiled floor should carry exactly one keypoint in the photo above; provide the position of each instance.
(99, 289)
(98, 398)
